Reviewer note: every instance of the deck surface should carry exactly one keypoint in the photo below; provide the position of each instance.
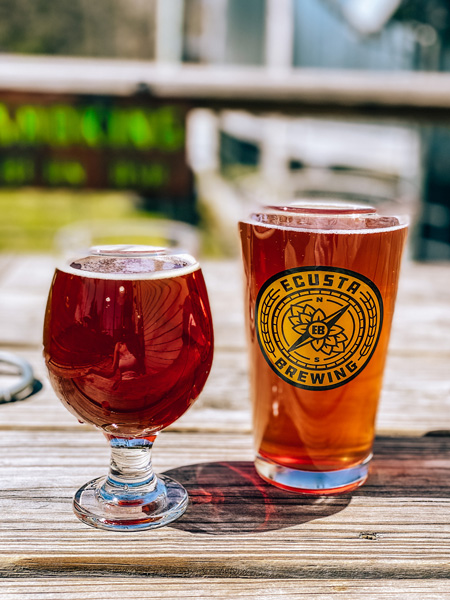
(240, 537)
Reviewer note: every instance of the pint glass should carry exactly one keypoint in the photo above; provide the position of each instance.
(321, 281)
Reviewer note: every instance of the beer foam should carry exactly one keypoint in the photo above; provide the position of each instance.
(132, 267)
(328, 224)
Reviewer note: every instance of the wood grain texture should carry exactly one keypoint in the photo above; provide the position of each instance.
(154, 588)
(415, 399)
(416, 394)
(421, 322)
(396, 526)
(240, 537)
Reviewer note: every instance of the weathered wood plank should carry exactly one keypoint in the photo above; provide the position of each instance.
(101, 588)
(223, 405)
(416, 396)
(395, 527)
(421, 322)
(25, 282)
(240, 537)
(415, 399)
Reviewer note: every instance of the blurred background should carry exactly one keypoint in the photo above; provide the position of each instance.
(79, 162)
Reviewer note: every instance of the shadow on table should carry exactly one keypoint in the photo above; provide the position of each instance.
(229, 498)
(410, 467)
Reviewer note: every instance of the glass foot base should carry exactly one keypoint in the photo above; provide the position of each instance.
(168, 502)
(313, 482)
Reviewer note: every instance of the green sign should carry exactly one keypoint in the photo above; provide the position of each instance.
(92, 126)
(105, 143)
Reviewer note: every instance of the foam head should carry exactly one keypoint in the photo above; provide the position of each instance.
(326, 216)
(131, 262)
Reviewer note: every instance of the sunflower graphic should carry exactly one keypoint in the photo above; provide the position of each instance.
(316, 328)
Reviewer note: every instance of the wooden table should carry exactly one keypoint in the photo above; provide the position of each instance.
(240, 538)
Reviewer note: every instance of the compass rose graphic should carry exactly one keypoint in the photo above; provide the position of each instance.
(317, 329)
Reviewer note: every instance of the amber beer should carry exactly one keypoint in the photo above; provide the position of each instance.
(321, 282)
(128, 351)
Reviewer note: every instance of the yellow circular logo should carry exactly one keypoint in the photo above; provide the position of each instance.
(318, 327)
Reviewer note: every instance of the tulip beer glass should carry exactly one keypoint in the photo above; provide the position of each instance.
(321, 282)
(128, 344)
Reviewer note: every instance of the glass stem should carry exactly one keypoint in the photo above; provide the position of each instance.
(131, 479)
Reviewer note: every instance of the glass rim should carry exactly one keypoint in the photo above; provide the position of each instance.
(131, 251)
(323, 207)
(326, 216)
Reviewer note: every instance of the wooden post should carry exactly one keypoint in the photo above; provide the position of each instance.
(279, 33)
(169, 31)
(278, 56)
(214, 34)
